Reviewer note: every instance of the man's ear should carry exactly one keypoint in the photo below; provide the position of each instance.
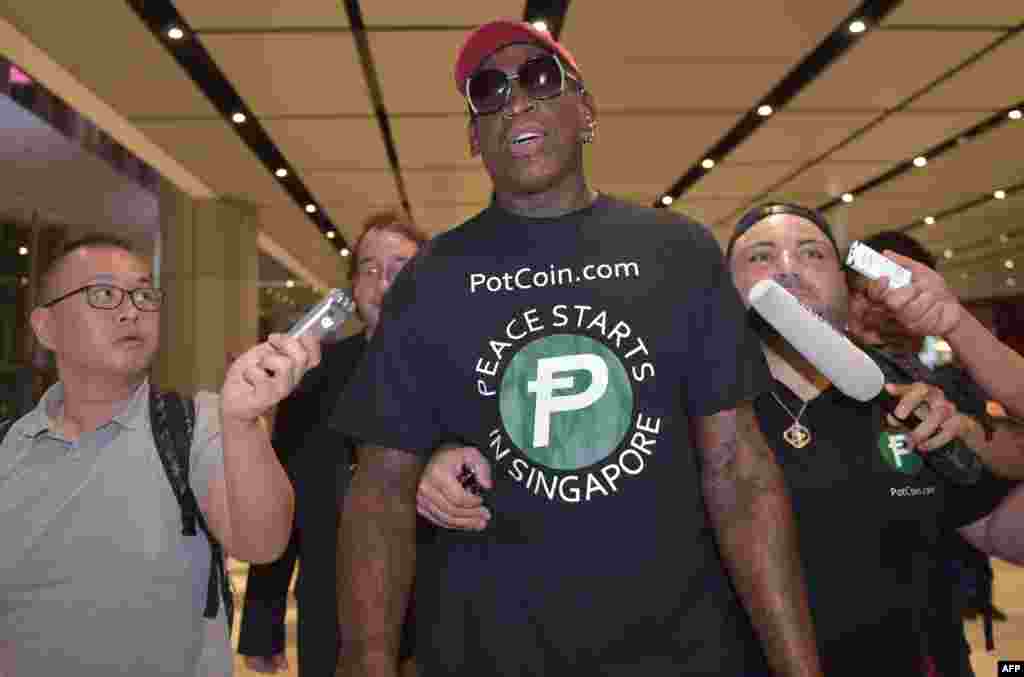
(41, 320)
(474, 137)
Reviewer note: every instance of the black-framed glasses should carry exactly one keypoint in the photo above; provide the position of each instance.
(109, 297)
(542, 77)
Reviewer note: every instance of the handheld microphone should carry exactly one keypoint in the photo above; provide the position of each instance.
(851, 370)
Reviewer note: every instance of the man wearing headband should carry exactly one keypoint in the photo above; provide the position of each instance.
(591, 348)
(868, 571)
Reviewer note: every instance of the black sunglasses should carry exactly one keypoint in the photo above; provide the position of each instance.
(542, 77)
(108, 297)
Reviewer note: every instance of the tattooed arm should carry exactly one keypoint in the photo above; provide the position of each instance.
(750, 509)
(376, 560)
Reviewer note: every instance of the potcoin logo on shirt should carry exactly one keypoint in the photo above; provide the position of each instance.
(897, 454)
(565, 382)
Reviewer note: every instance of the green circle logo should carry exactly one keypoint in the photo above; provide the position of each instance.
(566, 401)
(896, 453)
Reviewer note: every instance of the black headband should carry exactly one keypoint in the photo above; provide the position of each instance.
(758, 214)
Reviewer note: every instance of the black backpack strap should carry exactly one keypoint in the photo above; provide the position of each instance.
(173, 423)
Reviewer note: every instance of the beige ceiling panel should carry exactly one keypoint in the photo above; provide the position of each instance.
(901, 136)
(430, 141)
(211, 150)
(330, 143)
(798, 137)
(865, 77)
(447, 13)
(125, 66)
(988, 163)
(415, 70)
(681, 60)
(293, 74)
(291, 230)
(783, 30)
(360, 187)
(438, 218)
(957, 13)
(654, 149)
(676, 83)
(451, 185)
(985, 85)
(737, 181)
(707, 210)
(871, 214)
(257, 14)
(985, 222)
(829, 180)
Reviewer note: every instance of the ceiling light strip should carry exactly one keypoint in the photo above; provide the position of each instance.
(987, 125)
(191, 55)
(877, 121)
(965, 206)
(551, 12)
(835, 44)
(355, 20)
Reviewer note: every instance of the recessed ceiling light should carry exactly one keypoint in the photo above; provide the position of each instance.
(311, 208)
(964, 275)
(238, 118)
(930, 220)
(541, 25)
(1004, 238)
(999, 195)
(22, 251)
(707, 163)
(764, 110)
(331, 235)
(847, 198)
(667, 200)
(281, 172)
(858, 26)
(948, 253)
(920, 161)
(289, 283)
(345, 252)
(175, 33)
(1015, 114)
(1008, 264)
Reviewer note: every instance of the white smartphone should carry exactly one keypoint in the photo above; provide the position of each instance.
(325, 316)
(870, 263)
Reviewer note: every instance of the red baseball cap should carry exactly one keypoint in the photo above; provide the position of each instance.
(491, 37)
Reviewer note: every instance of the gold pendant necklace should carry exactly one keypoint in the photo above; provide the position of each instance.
(797, 435)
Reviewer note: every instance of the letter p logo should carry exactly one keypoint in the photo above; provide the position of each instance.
(544, 386)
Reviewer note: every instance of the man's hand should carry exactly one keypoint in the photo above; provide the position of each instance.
(267, 664)
(926, 307)
(266, 374)
(443, 500)
(941, 422)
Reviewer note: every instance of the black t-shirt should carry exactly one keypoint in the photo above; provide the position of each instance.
(869, 513)
(572, 352)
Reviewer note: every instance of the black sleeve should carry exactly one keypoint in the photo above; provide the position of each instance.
(724, 364)
(968, 504)
(392, 399)
(266, 601)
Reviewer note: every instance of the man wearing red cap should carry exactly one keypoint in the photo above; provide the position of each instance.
(539, 333)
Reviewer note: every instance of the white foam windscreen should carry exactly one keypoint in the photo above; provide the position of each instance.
(848, 367)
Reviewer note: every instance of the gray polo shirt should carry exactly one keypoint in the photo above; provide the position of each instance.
(96, 578)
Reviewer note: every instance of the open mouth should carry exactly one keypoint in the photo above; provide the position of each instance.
(526, 143)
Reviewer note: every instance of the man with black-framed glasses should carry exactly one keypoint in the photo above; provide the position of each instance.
(97, 577)
(597, 353)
